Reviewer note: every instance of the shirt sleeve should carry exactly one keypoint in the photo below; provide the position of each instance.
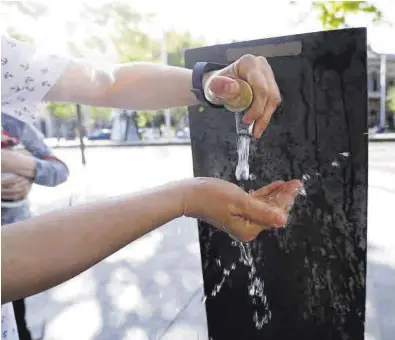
(26, 77)
(50, 171)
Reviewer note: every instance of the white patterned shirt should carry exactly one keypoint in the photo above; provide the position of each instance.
(26, 77)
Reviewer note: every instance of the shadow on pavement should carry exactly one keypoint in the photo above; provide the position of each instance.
(152, 289)
(380, 301)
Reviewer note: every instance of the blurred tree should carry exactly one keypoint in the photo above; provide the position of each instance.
(333, 14)
(124, 27)
(102, 114)
(176, 44)
(391, 99)
(61, 110)
(16, 34)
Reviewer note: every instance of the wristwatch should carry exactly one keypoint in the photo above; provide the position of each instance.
(199, 69)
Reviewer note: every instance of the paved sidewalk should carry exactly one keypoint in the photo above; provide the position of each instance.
(62, 143)
(382, 137)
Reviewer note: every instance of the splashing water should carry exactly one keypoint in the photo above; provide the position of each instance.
(344, 154)
(302, 191)
(256, 286)
(259, 322)
(218, 286)
(243, 152)
(335, 164)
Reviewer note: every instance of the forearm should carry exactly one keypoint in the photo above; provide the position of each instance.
(42, 252)
(18, 163)
(137, 86)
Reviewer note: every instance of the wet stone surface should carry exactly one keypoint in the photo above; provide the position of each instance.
(306, 281)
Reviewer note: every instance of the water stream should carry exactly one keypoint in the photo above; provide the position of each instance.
(243, 152)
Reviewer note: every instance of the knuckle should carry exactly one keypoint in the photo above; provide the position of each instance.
(263, 89)
(275, 100)
(248, 57)
(263, 60)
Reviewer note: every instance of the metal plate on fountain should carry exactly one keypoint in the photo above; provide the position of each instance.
(306, 281)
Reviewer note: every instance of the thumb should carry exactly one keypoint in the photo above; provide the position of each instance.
(224, 87)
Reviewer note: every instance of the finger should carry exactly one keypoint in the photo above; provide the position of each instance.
(14, 194)
(287, 193)
(262, 122)
(264, 214)
(266, 190)
(9, 181)
(18, 189)
(222, 88)
(260, 89)
(13, 186)
(273, 100)
(245, 230)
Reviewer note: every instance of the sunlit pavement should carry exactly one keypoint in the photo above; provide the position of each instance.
(152, 289)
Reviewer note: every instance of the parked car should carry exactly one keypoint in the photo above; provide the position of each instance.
(103, 134)
(184, 133)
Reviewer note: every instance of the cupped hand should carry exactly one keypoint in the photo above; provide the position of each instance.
(242, 215)
(15, 187)
(220, 86)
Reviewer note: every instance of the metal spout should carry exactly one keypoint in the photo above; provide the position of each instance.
(239, 105)
(241, 128)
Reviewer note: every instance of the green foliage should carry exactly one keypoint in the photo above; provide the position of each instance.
(123, 24)
(99, 113)
(391, 99)
(333, 14)
(62, 110)
(177, 43)
(14, 33)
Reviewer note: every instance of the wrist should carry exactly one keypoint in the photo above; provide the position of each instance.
(192, 192)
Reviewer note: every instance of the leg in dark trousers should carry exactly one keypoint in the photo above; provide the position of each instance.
(20, 311)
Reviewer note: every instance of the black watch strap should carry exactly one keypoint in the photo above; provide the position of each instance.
(199, 69)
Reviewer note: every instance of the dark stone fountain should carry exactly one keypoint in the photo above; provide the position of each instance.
(306, 281)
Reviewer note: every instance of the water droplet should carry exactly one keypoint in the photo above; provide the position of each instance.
(302, 191)
(260, 321)
(344, 154)
(335, 164)
(306, 177)
(233, 266)
(226, 272)
(218, 262)
(253, 177)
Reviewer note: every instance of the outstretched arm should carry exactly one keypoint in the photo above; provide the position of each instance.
(149, 86)
(42, 252)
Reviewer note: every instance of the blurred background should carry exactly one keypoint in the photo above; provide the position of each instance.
(152, 289)
(151, 30)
